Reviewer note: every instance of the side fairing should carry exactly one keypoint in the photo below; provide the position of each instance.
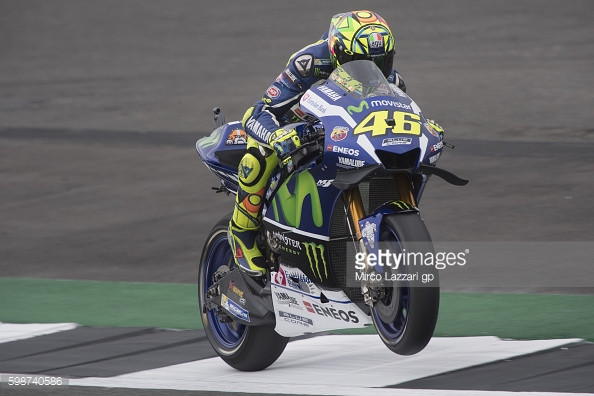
(298, 219)
(299, 309)
(303, 203)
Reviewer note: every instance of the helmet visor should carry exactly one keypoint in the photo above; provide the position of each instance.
(385, 62)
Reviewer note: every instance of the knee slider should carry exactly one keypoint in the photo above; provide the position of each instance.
(251, 169)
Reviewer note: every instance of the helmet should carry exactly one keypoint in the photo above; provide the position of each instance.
(361, 35)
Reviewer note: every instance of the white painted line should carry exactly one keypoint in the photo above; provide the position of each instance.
(335, 365)
(14, 332)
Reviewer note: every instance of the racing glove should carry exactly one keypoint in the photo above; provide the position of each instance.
(399, 82)
(284, 142)
(436, 127)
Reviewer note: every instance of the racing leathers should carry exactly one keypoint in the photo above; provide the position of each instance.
(278, 107)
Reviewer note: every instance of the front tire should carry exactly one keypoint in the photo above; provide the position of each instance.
(406, 316)
(245, 348)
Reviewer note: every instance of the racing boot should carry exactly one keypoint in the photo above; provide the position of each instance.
(246, 253)
(255, 170)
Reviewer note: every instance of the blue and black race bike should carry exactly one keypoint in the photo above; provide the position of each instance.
(352, 199)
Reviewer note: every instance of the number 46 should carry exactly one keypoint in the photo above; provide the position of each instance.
(379, 122)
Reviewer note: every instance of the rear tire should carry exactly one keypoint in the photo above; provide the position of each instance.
(405, 318)
(245, 348)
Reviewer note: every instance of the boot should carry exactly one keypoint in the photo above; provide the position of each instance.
(245, 250)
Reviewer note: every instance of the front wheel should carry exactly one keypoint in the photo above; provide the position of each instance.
(405, 315)
(245, 348)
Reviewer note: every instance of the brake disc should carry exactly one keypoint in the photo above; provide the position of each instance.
(387, 306)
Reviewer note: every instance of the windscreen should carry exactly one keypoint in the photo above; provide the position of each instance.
(361, 79)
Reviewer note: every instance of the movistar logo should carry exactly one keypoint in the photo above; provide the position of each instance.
(352, 109)
(315, 255)
(292, 204)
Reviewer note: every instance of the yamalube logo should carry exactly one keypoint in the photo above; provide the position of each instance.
(351, 162)
(285, 298)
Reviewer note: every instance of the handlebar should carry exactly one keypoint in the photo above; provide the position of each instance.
(310, 145)
(313, 132)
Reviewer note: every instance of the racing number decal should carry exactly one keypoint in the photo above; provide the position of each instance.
(404, 123)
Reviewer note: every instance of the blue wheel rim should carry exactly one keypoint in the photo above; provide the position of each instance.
(229, 335)
(394, 330)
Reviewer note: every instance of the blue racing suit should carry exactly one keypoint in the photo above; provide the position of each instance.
(280, 104)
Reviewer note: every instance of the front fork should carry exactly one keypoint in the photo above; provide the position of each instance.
(357, 210)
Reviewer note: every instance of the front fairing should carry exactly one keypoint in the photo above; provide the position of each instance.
(368, 122)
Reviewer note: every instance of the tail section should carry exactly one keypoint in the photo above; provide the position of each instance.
(222, 150)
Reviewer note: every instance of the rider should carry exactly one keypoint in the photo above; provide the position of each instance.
(352, 35)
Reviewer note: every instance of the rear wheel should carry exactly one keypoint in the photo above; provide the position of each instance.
(405, 315)
(245, 348)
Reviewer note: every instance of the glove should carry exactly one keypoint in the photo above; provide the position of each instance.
(399, 82)
(436, 127)
(284, 142)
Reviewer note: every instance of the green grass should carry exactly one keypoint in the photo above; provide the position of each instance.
(93, 303)
(90, 303)
(517, 316)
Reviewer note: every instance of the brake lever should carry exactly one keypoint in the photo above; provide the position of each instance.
(298, 149)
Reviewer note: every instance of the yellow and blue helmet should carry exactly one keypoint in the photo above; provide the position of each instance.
(359, 35)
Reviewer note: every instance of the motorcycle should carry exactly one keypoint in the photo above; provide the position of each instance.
(367, 154)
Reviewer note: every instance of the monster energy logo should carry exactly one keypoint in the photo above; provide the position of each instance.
(403, 205)
(315, 257)
(352, 109)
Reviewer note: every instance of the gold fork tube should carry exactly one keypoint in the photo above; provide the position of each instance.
(404, 188)
(405, 194)
(356, 208)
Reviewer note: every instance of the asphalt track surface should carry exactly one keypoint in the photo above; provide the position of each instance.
(151, 358)
(101, 103)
